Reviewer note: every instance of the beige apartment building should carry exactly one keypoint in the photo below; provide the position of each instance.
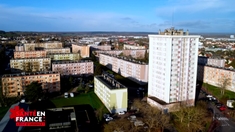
(215, 76)
(129, 68)
(100, 47)
(58, 50)
(14, 84)
(211, 61)
(82, 49)
(133, 53)
(133, 47)
(30, 65)
(112, 93)
(83, 67)
(19, 47)
(64, 56)
(48, 45)
(29, 54)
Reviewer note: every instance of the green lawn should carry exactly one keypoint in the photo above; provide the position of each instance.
(216, 91)
(89, 98)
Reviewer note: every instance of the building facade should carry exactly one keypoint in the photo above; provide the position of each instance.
(216, 76)
(113, 94)
(29, 54)
(30, 65)
(173, 67)
(100, 47)
(133, 53)
(58, 50)
(83, 50)
(210, 61)
(64, 56)
(133, 47)
(14, 84)
(84, 67)
(129, 68)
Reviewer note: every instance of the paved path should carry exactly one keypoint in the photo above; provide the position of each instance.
(226, 124)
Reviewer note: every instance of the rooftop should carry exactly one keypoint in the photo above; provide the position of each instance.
(29, 74)
(31, 58)
(126, 59)
(173, 31)
(222, 68)
(110, 82)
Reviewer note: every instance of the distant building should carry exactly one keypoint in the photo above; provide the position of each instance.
(29, 54)
(100, 47)
(215, 75)
(30, 65)
(129, 68)
(113, 94)
(48, 45)
(58, 50)
(134, 47)
(83, 50)
(85, 67)
(64, 56)
(137, 54)
(14, 84)
(173, 58)
(210, 61)
(19, 47)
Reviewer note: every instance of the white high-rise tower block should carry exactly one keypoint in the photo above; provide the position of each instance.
(173, 58)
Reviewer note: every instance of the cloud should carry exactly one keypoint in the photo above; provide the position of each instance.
(36, 19)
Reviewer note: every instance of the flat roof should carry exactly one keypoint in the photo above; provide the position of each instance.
(222, 68)
(29, 74)
(126, 59)
(107, 80)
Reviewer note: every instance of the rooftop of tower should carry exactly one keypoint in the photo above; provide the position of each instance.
(173, 31)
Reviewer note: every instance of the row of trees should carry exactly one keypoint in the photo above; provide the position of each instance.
(187, 119)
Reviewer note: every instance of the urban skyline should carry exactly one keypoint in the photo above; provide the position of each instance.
(132, 16)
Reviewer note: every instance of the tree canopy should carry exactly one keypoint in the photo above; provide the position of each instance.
(34, 91)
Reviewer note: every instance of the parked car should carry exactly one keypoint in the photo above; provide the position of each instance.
(66, 95)
(109, 119)
(121, 113)
(71, 95)
(106, 116)
(218, 105)
(222, 108)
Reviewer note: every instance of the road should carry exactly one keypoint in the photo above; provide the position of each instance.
(225, 124)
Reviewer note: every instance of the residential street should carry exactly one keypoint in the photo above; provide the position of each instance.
(225, 124)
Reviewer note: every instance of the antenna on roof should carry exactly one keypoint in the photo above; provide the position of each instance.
(172, 21)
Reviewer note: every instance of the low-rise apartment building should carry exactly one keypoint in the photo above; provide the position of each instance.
(134, 47)
(15, 84)
(216, 76)
(29, 54)
(83, 67)
(30, 65)
(133, 53)
(129, 68)
(64, 56)
(211, 61)
(58, 50)
(112, 93)
(47, 45)
(100, 47)
(19, 47)
(82, 49)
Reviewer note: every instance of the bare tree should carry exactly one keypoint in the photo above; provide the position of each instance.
(223, 84)
(190, 119)
(152, 116)
(121, 125)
